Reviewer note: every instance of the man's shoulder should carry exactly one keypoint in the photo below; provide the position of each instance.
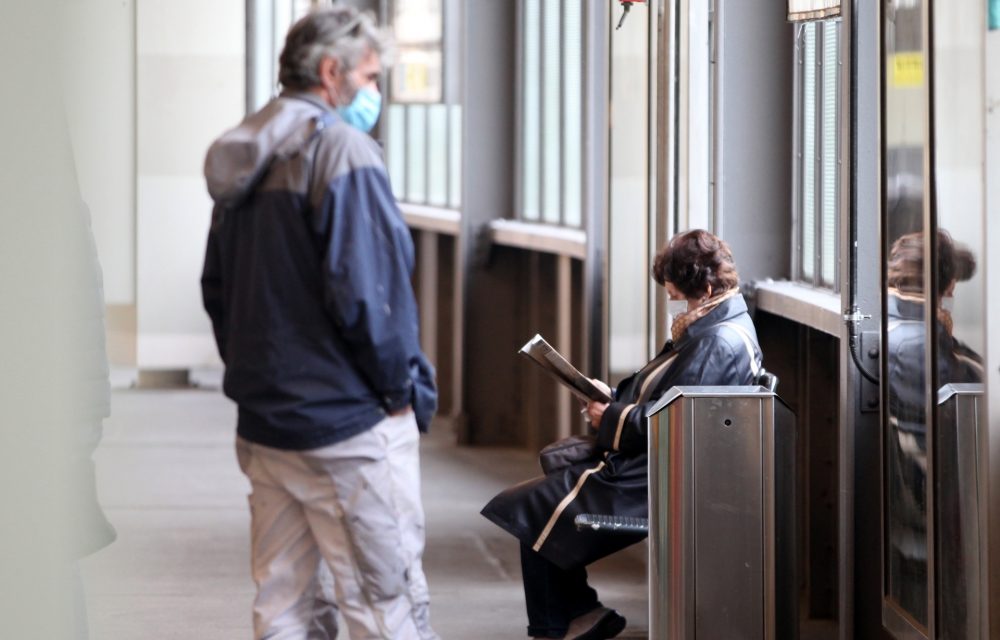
(342, 149)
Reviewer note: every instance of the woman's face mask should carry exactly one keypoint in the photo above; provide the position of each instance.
(676, 302)
(948, 303)
(676, 307)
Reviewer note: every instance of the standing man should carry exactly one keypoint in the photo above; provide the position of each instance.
(307, 281)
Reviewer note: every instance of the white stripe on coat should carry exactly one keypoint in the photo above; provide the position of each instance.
(562, 506)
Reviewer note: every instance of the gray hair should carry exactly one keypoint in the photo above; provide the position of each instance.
(342, 33)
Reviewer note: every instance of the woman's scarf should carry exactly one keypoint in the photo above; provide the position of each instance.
(943, 315)
(685, 320)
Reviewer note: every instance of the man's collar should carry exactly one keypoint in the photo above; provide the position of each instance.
(307, 96)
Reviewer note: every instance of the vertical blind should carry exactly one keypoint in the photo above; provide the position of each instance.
(531, 174)
(808, 153)
(829, 160)
(818, 206)
(551, 110)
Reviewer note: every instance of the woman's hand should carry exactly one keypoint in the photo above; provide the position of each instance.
(595, 410)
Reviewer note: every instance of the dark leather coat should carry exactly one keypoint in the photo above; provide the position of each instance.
(709, 353)
(907, 449)
(906, 350)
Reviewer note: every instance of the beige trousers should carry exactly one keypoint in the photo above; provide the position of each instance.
(355, 507)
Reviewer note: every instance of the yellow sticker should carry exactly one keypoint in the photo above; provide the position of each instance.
(417, 77)
(907, 70)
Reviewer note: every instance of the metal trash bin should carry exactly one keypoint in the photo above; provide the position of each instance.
(722, 546)
(961, 490)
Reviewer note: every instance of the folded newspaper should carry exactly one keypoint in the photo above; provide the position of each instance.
(542, 354)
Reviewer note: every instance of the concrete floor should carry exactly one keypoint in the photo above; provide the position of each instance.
(169, 481)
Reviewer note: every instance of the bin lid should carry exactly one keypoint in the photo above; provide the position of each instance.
(946, 392)
(732, 391)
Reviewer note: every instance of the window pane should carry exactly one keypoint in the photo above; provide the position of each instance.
(629, 230)
(264, 75)
(572, 111)
(828, 257)
(437, 157)
(417, 21)
(416, 76)
(395, 148)
(416, 154)
(551, 94)
(417, 72)
(302, 7)
(282, 14)
(531, 111)
(455, 158)
(809, 152)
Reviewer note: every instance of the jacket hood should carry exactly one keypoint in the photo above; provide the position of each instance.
(238, 159)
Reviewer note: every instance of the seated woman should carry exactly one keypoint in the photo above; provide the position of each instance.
(907, 400)
(713, 343)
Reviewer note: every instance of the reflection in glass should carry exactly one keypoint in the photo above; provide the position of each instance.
(942, 403)
(905, 448)
(906, 499)
(958, 469)
(959, 464)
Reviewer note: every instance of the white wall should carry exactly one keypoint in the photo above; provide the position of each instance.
(101, 115)
(189, 89)
(628, 226)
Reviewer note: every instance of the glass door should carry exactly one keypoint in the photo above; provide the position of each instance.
(906, 219)
(934, 425)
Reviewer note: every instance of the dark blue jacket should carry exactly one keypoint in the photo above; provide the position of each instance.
(307, 279)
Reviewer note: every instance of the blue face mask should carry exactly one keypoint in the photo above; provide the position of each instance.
(364, 110)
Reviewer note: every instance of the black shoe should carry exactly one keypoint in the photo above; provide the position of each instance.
(597, 624)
